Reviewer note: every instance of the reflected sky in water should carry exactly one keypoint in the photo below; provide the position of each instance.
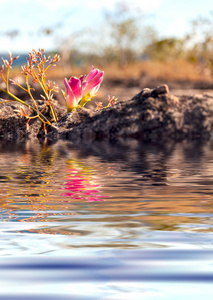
(90, 202)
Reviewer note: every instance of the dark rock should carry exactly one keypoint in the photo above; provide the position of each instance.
(151, 115)
(14, 126)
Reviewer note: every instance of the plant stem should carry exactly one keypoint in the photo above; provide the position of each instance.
(7, 77)
(48, 99)
(29, 92)
(41, 83)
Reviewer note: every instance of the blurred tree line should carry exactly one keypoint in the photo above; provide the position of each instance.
(124, 38)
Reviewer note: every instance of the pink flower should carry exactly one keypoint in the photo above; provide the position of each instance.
(91, 84)
(73, 92)
(80, 90)
(80, 186)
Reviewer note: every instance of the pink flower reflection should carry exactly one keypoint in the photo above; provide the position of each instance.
(80, 186)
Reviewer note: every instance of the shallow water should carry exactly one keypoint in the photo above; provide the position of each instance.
(101, 221)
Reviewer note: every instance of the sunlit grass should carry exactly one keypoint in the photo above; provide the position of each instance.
(170, 70)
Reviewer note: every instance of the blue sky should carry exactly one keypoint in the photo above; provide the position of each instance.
(169, 17)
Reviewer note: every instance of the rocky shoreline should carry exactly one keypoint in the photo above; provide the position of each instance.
(152, 115)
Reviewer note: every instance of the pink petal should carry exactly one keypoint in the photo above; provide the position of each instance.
(96, 80)
(94, 91)
(75, 84)
(92, 74)
(84, 84)
(70, 96)
(93, 85)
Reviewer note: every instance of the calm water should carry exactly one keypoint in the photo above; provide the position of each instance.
(100, 221)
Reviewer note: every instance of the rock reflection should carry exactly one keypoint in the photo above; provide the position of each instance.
(36, 177)
(144, 187)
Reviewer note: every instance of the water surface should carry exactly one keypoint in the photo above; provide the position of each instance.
(101, 221)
